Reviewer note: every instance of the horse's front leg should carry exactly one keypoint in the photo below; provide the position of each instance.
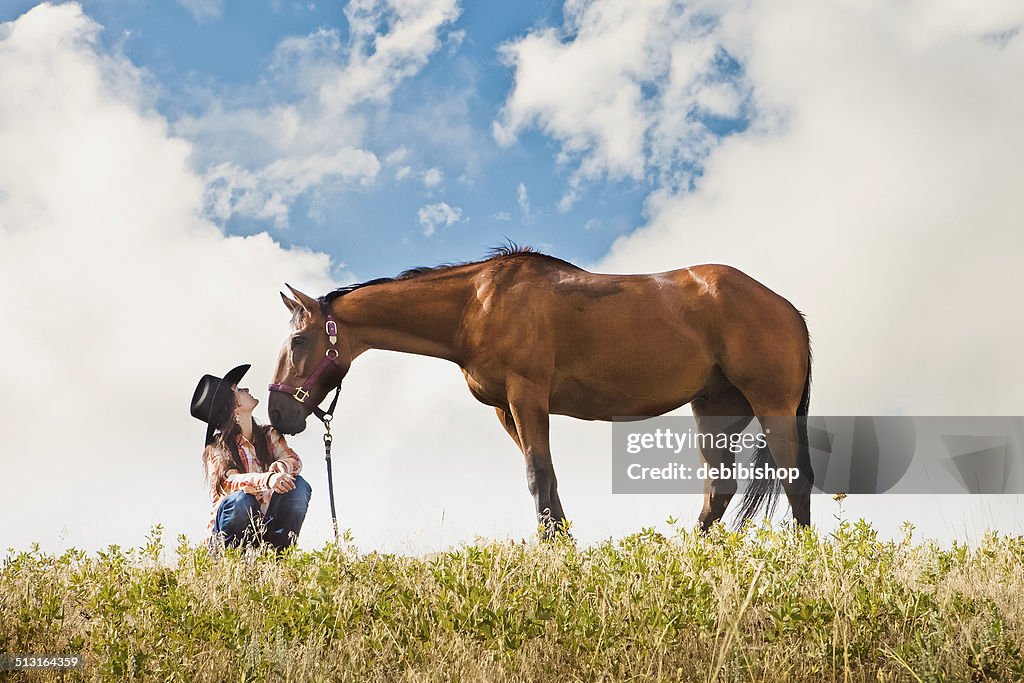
(528, 404)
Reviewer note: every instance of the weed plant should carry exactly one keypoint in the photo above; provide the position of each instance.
(763, 604)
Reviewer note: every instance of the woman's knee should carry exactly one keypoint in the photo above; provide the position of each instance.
(301, 493)
(303, 486)
(237, 511)
(295, 501)
(239, 500)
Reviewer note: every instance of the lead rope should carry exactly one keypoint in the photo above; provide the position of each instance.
(328, 440)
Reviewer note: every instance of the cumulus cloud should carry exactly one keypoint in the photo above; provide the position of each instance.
(380, 60)
(433, 216)
(319, 92)
(268, 192)
(884, 210)
(878, 156)
(115, 294)
(433, 177)
(874, 182)
(627, 88)
(397, 156)
(879, 193)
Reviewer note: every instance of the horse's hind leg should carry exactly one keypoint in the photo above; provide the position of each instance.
(778, 418)
(784, 443)
(728, 412)
(774, 379)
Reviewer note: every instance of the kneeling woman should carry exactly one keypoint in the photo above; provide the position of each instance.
(253, 475)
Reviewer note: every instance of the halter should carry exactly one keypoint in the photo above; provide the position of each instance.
(331, 356)
(301, 395)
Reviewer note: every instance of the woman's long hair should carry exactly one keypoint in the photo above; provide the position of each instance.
(221, 454)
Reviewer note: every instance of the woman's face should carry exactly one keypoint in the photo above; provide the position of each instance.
(243, 399)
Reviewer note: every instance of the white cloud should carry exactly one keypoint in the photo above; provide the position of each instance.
(502, 216)
(455, 40)
(433, 177)
(268, 192)
(433, 216)
(397, 156)
(523, 201)
(879, 192)
(320, 92)
(380, 60)
(203, 10)
(623, 86)
(878, 189)
(882, 157)
(115, 295)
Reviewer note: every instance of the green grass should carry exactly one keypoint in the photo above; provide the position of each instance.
(755, 606)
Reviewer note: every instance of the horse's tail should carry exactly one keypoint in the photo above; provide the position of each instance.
(765, 492)
(804, 459)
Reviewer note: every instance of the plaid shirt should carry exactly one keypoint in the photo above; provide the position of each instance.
(255, 479)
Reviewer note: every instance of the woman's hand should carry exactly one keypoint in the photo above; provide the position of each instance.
(282, 482)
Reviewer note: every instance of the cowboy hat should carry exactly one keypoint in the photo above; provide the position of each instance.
(213, 400)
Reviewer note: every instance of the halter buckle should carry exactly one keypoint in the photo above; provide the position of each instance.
(334, 356)
(301, 395)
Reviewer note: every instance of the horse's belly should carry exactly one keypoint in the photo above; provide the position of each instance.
(650, 371)
(588, 399)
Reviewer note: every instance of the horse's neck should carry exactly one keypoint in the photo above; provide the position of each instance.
(419, 315)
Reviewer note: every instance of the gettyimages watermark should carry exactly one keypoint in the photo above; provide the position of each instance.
(848, 454)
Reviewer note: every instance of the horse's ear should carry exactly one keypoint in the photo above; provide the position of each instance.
(292, 305)
(306, 301)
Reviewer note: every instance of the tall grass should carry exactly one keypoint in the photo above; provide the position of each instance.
(761, 605)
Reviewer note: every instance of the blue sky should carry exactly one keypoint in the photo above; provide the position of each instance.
(163, 176)
(374, 230)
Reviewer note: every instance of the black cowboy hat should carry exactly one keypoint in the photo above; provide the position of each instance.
(213, 400)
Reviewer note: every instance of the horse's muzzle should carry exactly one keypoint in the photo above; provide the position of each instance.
(287, 415)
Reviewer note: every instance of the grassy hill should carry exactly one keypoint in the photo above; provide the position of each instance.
(762, 605)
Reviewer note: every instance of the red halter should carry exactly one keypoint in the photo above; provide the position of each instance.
(331, 356)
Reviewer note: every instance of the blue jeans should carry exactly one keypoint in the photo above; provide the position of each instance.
(239, 520)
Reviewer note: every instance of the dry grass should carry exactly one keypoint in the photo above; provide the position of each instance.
(763, 605)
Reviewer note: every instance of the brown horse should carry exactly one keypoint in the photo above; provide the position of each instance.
(535, 336)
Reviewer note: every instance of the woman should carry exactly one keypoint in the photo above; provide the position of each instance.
(253, 475)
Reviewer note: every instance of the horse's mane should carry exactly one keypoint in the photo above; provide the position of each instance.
(504, 251)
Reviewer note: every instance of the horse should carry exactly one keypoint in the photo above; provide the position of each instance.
(535, 335)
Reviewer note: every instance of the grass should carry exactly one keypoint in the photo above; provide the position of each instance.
(761, 605)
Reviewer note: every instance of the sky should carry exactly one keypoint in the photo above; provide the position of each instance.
(166, 167)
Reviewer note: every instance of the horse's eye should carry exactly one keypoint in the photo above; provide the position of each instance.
(298, 342)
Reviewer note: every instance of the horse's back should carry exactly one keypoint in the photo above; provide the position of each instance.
(620, 344)
(603, 342)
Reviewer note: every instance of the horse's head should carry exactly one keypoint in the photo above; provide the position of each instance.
(313, 360)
